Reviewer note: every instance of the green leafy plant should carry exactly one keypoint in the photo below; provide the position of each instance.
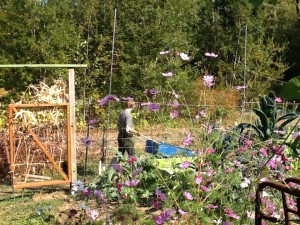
(267, 121)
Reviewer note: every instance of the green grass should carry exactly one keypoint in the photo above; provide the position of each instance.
(23, 210)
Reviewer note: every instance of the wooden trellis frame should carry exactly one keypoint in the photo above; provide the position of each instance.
(72, 162)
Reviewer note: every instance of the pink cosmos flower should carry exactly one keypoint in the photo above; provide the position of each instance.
(292, 184)
(164, 217)
(181, 212)
(118, 168)
(174, 114)
(132, 159)
(131, 183)
(174, 94)
(184, 56)
(156, 204)
(86, 141)
(107, 98)
(248, 142)
(198, 179)
(153, 107)
(93, 121)
(185, 165)
(93, 214)
(204, 188)
(99, 196)
(211, 54)
(208, 80)
(164, 52)
(231, 214)
(168, 74)
(161, 195)
(202, 113)
(173, 104)
(188, 195)
(137, 171)
(281, 132)
(188, 140)
(245, 183)
(153, 91)
(211, 206)
(278, 100)
(119, 187)
(210, 151)
(238, 88)
(263, 151)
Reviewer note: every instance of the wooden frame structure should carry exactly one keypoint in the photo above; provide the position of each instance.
(72, 162)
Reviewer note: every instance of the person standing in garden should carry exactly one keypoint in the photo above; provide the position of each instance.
(126, 130)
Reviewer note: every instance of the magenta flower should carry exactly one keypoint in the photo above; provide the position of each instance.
(153, 91)
(93, 214)
(188, 195)
(204, 188)
(188, 140)
(168, 74)
(211, 54)
(210, 151)
(173, 104)
(127, 98)
(161, 195)
(202, 113)
(248, 142)
(132, 159)
(231, 214)
(174, 114)
(99, 196)
(164, 52)
(118, 168)
(281, 132)
(156, 204)
(211, 206)
(153, 107)
(137, 171)
(208, 80)
(86, 141)
(184, 56)
(185, 165)
(164, 217)
(198, 179)
(87, 191)
(263, 151)
(107, 98)
(93, 121)
(131, 183)
(181, 212)
(119, 187)
(278, 100)
(238, 88)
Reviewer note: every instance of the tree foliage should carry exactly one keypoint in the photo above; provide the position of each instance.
(81, 31)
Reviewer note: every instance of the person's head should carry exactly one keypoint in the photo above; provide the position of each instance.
(131, 104)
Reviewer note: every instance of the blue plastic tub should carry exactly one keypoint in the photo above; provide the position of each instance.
(166, 150)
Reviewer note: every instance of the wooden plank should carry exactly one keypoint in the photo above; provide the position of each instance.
(42, 183)
(37, 177)
(72, 125)
(38, 105)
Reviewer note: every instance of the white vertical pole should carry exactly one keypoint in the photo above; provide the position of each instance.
(72, 124)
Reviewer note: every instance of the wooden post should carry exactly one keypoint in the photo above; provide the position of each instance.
(73, 125)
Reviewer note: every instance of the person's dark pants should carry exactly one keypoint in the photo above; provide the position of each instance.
(125, 143)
